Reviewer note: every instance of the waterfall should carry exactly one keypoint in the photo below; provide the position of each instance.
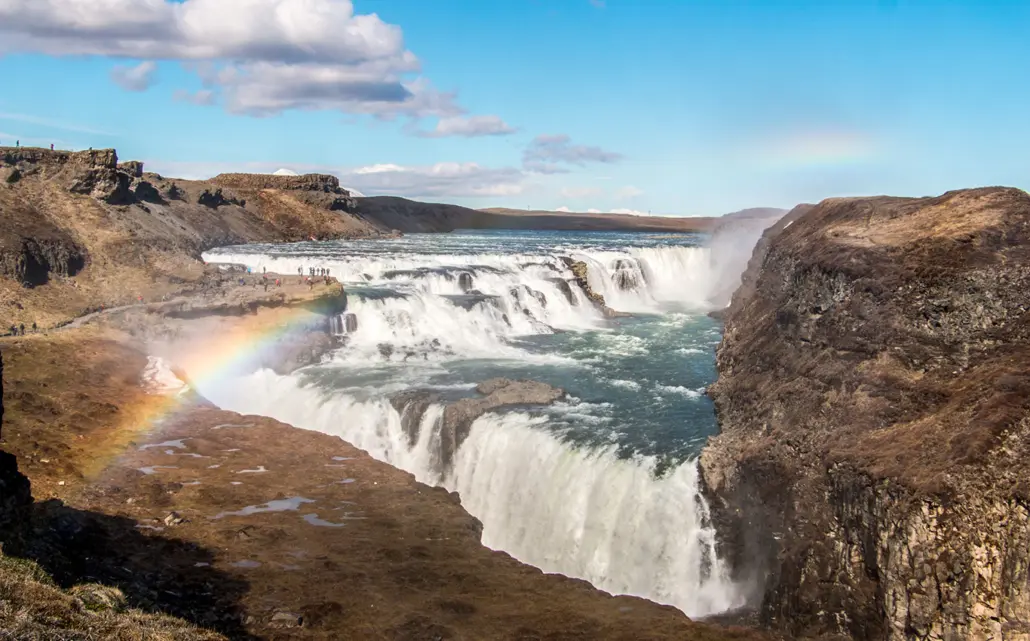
(572, 490)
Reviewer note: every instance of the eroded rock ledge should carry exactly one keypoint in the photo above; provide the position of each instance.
(459, 415)
(874, 399)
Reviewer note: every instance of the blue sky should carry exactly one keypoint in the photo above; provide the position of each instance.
(690, 107)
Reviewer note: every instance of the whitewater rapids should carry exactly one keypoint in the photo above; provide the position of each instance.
(603, 485)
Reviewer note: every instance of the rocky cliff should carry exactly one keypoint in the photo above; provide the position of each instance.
(81, 229)
(871, 473)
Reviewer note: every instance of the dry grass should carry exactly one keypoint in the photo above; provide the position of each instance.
(33, 607)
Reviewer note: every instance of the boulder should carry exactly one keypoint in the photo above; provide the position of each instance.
(218, 198)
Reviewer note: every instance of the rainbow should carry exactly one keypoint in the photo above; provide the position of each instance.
(820, 148)
(231, 351)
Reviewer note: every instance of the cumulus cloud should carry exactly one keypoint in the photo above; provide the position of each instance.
(563, 209)
(629, 192)
(546, 153)
(442, 180)
(629, 212)
(264, 56)
(137, 78)
(468, 126)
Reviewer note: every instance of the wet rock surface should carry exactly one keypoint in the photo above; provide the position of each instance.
(458, 415)
(874, 405)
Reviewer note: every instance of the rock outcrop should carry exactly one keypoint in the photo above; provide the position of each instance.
(874, 403)
(458, 416)
(579, 272)
(33, 261)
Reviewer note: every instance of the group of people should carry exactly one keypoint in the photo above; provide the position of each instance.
(17, 144)
(313, 271)
(264, 281)
(19, 330)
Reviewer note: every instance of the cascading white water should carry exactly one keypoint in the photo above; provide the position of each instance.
(577, 505)
(643, 279)
(592, 515)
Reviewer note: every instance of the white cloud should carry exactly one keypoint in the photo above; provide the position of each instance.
(629, 212)
(264, 56)
(538, 167)
(628, 192)
(594, 211)
(378, 169)
(563, 208)
(203, 97)
(469, 126)
(580, 192)
(546, 153)
(442, 180)
(137, 78)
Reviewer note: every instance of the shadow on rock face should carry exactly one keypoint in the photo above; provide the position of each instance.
(155, 574)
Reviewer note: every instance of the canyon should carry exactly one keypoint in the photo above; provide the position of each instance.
(868, 480)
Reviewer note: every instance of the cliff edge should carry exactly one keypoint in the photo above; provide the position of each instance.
(871, 474)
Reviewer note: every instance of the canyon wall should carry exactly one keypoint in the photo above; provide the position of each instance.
(871, 474)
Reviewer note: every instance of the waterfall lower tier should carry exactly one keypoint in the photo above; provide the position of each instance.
(579, 511)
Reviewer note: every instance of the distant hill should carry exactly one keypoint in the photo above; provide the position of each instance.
(412, 216)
